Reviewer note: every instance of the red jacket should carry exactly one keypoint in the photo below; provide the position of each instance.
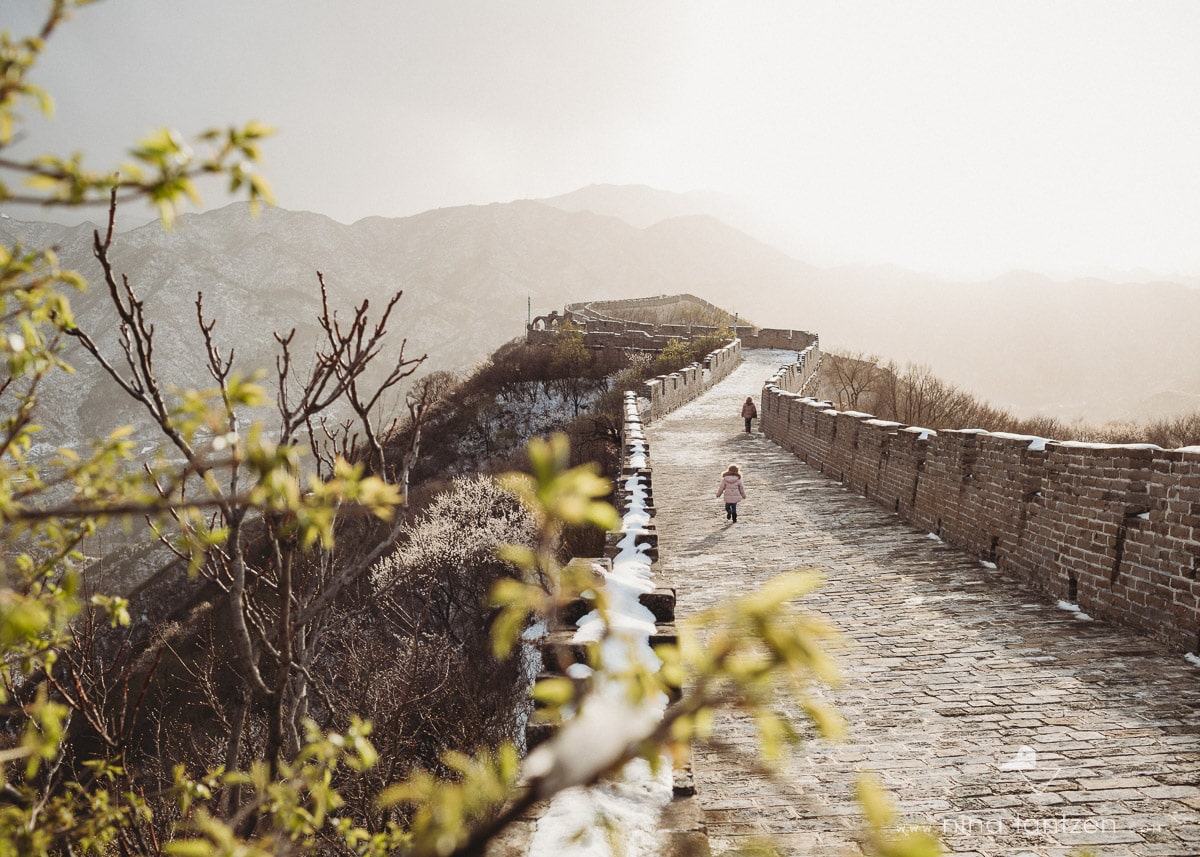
(749, 411)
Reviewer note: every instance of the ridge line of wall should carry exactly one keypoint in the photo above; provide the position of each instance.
(601, 330)
(664, 393)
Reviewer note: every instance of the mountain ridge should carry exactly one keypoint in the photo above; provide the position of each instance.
(469, 273)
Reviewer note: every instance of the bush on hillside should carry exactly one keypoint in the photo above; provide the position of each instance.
(481, 423)
(415, 656)
(683, 311)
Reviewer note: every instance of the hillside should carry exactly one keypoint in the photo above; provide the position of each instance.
(467, 274)
(1082, 349)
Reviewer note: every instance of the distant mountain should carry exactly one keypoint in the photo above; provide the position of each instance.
(637, 205)
(641, 206)
(1091, 348)
(468, 275)
(1085, 348)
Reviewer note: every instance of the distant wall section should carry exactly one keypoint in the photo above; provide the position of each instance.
(603, 326)
(664, 393)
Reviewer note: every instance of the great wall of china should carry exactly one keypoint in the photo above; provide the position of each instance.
(951, 669)
(1114, 529)
(601, 327)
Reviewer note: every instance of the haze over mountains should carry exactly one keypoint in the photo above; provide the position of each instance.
(1086, 348)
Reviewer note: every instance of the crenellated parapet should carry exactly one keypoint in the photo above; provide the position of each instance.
(664, 393)
(775, 338)
(1113, 529)
(602, 326)
(797, 376)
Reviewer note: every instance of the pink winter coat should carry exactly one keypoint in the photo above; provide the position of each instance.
(731, 487)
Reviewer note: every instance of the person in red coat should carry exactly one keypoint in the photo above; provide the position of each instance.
(732, 490)
(749, 412)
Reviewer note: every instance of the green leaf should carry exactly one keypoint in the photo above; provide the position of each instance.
(190, 848)
(554, 691)
(519, 555)
(875, 803)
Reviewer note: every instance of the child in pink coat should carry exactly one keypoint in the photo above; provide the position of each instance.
(732, 490)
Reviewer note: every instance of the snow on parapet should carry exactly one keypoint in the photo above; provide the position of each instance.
(1040, 509)
(1079, 444)
(608, 722)
(1036, 444)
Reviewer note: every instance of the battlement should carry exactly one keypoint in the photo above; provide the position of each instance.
(604, 324)
(1114, 529)
(665, 393)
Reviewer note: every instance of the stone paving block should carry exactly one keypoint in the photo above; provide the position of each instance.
(1118, 783)
(1171, 792)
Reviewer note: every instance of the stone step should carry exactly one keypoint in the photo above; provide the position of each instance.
(536, 733)
(622, 502)
(660, 602)
(648, 509)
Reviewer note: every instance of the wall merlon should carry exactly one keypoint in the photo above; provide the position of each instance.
(665, 393)
(1118, 526)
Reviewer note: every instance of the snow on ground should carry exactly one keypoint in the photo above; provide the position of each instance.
(1074, 608)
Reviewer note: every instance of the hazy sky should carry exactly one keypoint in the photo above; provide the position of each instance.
(945, 136)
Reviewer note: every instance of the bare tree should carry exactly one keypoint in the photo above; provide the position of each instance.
(278, 578)
(851, 379)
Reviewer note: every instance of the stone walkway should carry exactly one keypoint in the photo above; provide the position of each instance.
(950, 671)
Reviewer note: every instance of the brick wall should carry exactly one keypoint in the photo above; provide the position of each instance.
(1115, 529)
(665, 393)
(603, 327)
(771, 337)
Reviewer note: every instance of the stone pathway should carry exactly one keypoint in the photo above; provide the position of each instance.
(950, 671)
